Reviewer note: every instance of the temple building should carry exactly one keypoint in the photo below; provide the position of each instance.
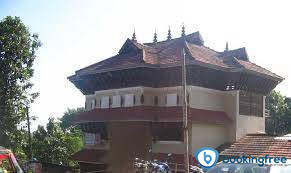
(134, 101)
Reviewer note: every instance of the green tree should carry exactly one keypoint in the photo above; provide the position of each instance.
(54, 145)
(17, 54)
(56, 142)
(68, 118)
(279, 122)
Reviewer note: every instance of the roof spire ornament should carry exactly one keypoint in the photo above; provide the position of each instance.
(169, 37)
(133, 36)
(183, 31)
(155, 36)
(226, 47)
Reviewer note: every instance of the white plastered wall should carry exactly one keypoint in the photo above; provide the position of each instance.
(208, 135)
(200, 98)
(250, 124)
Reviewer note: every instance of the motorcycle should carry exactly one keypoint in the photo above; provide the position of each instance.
(156, 166)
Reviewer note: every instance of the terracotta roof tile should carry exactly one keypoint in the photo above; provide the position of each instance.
(239, 53)
(206, 55)
(259, 145)
(91, 156)
(115, 62)
(169, 53)
(255, 68)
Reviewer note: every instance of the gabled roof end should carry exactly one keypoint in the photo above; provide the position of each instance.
(128, 46)
(239, 53)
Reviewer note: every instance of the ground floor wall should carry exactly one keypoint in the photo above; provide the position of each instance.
(128, 140)
(208, 135)
(201, 135)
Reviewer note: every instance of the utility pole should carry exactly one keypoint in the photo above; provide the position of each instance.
(185, 112)
(29, 134)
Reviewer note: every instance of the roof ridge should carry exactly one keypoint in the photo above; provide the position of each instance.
(173, 39)
(188, 49)
(205, 49)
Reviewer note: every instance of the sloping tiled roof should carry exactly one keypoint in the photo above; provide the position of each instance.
(114, 63)
(91, 156)
(168, 52)
(151, 114)
(256, 68)
(260, 145)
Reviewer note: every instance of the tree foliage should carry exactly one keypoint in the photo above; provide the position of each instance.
(279, 122)
(56, 142)
(17, 54)
(67, 119)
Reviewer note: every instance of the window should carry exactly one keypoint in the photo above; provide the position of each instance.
(129, 100)
(105, 102)
(116, 101)
(90, 138)
(169, 131)
(6, 165)
(172, 99)
(250, 104)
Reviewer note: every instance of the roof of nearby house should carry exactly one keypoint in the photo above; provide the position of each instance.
(91, 156)
(168, 53)
(151, 114)
(260, 145)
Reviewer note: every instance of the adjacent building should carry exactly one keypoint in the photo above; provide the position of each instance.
(134, 101)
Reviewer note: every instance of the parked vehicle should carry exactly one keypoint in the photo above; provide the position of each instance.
(8, 163)
(249, 168)
(156, 166)
(195, 169)
(280, 169)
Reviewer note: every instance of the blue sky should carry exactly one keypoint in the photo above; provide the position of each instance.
(78, 33)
